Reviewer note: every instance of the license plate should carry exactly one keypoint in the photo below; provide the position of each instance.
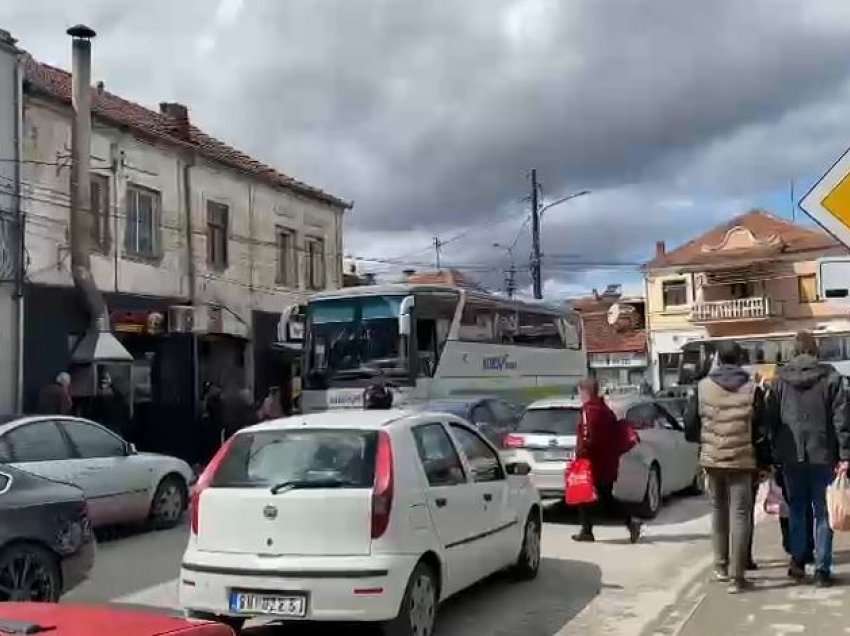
(558, 455)
(270, 604)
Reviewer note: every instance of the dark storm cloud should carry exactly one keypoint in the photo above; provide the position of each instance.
(429, 114)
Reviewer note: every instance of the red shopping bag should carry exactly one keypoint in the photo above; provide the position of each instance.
(579, 483)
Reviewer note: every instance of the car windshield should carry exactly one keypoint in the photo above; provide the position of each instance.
(552, 421)
(332, 459)
(353, 339)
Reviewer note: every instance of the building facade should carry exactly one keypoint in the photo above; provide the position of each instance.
(753, 276)
(198, 248)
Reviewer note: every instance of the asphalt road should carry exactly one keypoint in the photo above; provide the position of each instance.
(610, 587)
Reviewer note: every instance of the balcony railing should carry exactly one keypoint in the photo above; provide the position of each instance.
(757, 308)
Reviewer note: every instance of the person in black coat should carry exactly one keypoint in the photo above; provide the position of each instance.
(810, 436)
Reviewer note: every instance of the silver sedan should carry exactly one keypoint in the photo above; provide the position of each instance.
(661, 464)
(120, 484)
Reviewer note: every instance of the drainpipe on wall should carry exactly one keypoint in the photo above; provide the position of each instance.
(188, 163)
(22, 230)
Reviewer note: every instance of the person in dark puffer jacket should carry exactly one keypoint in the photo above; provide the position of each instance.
(810, 436)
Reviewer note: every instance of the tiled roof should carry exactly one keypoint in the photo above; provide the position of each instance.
(602, 337)
(444, 277)
(56, 83)
(780, 236)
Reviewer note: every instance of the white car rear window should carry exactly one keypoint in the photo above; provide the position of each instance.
(332, 458)
(555, 421)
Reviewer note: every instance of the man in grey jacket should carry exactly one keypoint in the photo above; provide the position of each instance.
(810, 437)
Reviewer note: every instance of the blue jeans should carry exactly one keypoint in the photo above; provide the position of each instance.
(806, 485)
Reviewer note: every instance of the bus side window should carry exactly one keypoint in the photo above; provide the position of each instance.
(476, 322)
(539, 330)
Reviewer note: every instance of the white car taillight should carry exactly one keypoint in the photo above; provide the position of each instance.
(513, 441)
(382, 491)
(205, 480)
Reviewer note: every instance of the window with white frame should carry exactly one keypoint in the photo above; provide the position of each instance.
(142, 234)
(217, 219)
(287, 274)
(315, 261)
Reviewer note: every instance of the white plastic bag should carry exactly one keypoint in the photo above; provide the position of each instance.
(838, 504)
(774, 502)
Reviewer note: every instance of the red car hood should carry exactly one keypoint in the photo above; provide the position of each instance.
(83, 620)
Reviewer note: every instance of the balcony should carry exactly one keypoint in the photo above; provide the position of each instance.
(757, 308)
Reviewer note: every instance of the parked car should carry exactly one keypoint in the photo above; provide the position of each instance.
(120, 484)
(493, 416)
(661, 464)
(79, 620)
(355, 516)
(46, 542)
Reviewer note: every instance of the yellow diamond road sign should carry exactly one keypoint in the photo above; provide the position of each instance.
(828, 202)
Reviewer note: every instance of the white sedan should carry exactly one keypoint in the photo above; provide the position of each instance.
(120, 484)
(661, 464)
(355, 516)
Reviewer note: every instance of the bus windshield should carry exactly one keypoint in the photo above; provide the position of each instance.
(353, 340)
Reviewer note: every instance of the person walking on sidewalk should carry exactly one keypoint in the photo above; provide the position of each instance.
(725, 416)
(810, 434)
(600, 439)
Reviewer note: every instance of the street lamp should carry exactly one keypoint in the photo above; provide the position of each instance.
(574, 195)
(536, 214)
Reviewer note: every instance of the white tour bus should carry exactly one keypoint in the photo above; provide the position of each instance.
(431, 341)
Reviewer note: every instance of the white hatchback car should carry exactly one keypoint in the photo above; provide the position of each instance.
(120, 484)
(662, 463)
(355, 516)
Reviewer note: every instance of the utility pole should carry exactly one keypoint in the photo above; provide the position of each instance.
(535, 238)
(437, 245)
(510, 280)
(510, 273)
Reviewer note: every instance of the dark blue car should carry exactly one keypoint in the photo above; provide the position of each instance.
(493, 416)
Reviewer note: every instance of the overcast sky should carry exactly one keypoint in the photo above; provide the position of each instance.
(429, 115)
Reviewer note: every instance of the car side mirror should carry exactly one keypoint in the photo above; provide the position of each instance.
(518, 468)
(131, 449)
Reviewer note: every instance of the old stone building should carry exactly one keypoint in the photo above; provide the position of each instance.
(197, 246)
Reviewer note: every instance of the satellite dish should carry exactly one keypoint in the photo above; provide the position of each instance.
(613, 314)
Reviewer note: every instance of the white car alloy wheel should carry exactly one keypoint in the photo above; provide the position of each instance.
(528, 562)
(418, 607)
(422, 606)
(652, 499)
(168, 503)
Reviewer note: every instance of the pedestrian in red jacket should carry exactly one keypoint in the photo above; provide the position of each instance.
(600, 438)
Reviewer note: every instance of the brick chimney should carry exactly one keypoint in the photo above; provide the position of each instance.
(660, 249)
(178, 115)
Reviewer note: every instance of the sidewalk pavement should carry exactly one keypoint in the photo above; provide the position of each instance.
(775, 607)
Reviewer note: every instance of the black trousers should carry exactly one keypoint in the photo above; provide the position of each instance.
(589, 513)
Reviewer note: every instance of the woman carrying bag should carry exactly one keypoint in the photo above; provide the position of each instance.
(601, 440)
